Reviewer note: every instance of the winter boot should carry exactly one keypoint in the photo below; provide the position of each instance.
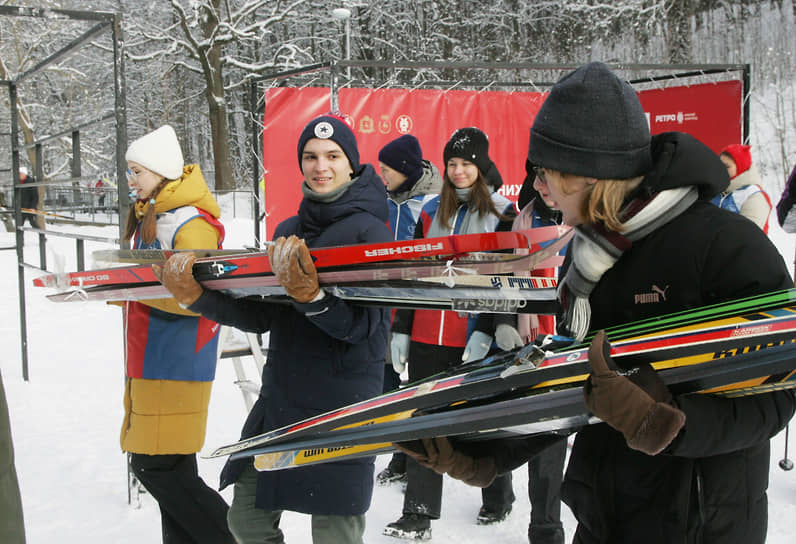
(487, 516)
(394, 472)
(410, 527)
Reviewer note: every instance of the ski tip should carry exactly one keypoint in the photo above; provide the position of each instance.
(209, 454)
(60, 281)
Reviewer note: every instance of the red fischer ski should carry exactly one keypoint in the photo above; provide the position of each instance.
(247, 264)
(546, 257)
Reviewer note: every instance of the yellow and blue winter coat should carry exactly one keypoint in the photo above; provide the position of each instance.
(170, 352)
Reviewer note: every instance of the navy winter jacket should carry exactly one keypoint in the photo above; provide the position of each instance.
(321, 355)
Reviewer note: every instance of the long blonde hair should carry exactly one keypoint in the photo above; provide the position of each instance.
(604, 200)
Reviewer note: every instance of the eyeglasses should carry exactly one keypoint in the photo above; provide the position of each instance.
(131, 176)
(539, 171)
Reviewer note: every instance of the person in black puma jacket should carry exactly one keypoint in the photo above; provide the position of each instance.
(696, 469)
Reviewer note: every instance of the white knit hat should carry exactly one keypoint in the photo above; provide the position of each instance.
(158, 151)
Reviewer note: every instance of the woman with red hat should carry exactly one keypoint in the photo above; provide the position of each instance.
(744, 194)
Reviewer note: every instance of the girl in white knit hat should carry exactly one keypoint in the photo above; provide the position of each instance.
(170, 351)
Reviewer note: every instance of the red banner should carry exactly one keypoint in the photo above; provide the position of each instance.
(710, 112)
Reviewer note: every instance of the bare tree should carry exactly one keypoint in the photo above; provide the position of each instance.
(203, 37)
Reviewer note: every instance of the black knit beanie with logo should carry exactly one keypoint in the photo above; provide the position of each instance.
(470, 144)
(592, 124)
(331, 127)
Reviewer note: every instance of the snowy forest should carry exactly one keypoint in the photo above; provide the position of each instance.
(189, 62)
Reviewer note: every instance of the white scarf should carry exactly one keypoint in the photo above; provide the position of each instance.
(595, 251)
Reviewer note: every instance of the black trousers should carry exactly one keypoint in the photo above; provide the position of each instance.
(423, 493)
(190, 511)
(545, 472)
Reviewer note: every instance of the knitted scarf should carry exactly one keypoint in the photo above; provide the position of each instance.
(595, 250)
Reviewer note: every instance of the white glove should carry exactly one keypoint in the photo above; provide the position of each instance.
(507, 337)
(399, 351)
(477, 346)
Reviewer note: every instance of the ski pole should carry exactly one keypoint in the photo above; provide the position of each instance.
(785, 463)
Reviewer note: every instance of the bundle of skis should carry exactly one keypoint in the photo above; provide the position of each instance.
(743, 347)
(470, 272)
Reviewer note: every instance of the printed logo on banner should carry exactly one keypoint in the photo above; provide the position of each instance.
(366, 125)
(678, 117)
(404, 124)
(384, 124)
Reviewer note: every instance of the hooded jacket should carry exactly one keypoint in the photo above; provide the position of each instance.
(321, 355)
(710, 484)
(170, 353)
(745, 195)
(404, 208)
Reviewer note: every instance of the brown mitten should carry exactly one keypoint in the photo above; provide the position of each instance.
(292, 265)
(442, 458)
(177, 276)
(644, 413)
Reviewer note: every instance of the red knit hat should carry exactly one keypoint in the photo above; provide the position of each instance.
(741, 155)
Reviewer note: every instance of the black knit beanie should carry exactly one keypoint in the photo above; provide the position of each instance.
(403, 155)
(331, 127)
(592, 124)
(470, 144)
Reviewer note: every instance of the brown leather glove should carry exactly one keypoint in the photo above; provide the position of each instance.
(440, 457)
(177, 276)
(292, 265)
(641, 407)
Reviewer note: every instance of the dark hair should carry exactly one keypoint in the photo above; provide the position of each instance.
(149, 228)
(479, 200)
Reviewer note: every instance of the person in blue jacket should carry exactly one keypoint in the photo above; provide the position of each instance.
(323, 352)
(411, 182)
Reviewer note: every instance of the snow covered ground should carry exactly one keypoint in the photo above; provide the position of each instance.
(66, 420)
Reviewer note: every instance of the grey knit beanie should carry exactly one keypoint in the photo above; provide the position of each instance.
(592, 124)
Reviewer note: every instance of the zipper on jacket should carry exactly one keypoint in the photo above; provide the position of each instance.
(700, 502)
(442, 313)
(397, 220)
